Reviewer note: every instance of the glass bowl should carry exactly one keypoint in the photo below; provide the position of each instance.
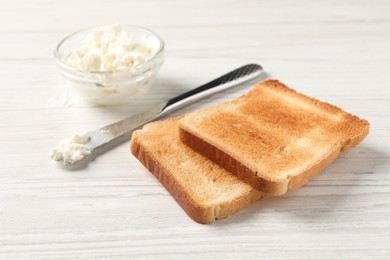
(110, 87)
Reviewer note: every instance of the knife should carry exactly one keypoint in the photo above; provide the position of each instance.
(98, 137)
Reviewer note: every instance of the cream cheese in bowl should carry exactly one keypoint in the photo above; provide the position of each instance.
(111, 64)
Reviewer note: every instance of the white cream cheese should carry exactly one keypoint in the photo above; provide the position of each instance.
(71, 149)
(110, 48)
(104, 65)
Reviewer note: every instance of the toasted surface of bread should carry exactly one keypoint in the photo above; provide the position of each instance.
(203, 189)
(272, 137)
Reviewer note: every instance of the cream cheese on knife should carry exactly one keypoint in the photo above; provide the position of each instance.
(71, 149)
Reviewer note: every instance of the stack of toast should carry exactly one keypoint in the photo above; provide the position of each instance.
(218, 160)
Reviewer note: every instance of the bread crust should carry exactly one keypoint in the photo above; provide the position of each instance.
(354, 130)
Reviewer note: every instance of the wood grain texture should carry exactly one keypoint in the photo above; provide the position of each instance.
(336, 51)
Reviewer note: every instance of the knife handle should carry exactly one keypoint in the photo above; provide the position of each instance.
(231, 79)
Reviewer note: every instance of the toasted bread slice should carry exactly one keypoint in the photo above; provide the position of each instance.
(203, 189)
(272, 137)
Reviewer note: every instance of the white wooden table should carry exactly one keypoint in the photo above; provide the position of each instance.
(337, 51)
